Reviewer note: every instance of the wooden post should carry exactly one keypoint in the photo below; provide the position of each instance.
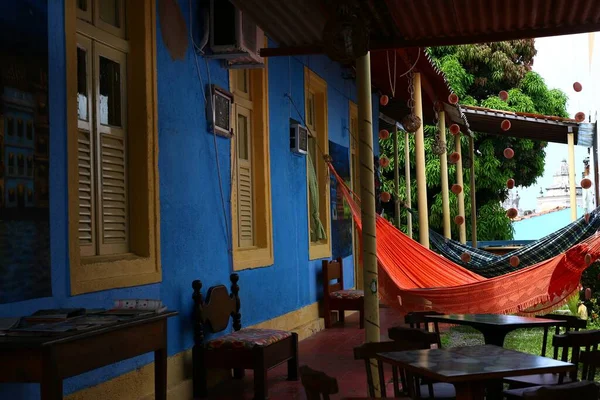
(367, 195)
(444, 176)
(572, 192)
(596, 172)
(420, 163)
(396, 179)
(462, 230)
(473, 193)
(407, 185)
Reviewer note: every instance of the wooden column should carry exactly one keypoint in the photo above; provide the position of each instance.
(420, 164)
(596, 172)
(572, 190)
(367, 195)
(473, 193)
(407, 185)
(462, 231)
(396, 179)
(444, 176)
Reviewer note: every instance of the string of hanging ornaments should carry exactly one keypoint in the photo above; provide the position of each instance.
(439, 146)
(345, 35)
(411, 122)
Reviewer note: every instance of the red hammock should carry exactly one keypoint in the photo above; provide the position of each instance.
(413, 278)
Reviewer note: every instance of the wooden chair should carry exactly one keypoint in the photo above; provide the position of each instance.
(317, 385)
(572, 323)
(573, 341)
(256, 349)
(409, 339)
(334, 295)
(584, 390)
(416, 319)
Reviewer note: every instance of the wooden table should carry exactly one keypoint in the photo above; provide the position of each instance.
(494, 327)
(469, 369)
(50, 359)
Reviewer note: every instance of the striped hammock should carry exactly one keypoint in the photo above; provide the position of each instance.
(490, 265)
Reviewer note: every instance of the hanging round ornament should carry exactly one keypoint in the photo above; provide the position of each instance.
(456, 188)
(385, 197)
(586, 217)
(586, 183)
(510, 183)
(453, 99)
(454, 158)
(514, 261)
(503, 95)
(465, 257)
(384, 100)
(505, 125)
(588, 260)
(512, 213)
(438, 106)
(384, 134)
(588, 293)
(411, 123)
(580, 116)
(384, 162)
(509, 153)
(438, 146)
(454, 129)
(459, 220)
(577, 87)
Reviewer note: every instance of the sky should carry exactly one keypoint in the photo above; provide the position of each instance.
(561, 61)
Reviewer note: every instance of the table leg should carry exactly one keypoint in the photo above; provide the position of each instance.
(494, 336)
(160, 374)
(470, 390)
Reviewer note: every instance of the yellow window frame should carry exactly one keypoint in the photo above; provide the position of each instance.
(316, 85)
(260, 255)
(142, 265)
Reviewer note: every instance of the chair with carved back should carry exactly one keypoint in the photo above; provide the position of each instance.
(256, 349)
(317, 385)
(568, 343)
(572, 322)
(335, 297)
(416, 319)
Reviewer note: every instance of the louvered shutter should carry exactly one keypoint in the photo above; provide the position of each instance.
(112, 153)
(85, 146)
(245, 191)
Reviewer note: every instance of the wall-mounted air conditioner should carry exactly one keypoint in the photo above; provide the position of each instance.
(298, 138)
(234, 37)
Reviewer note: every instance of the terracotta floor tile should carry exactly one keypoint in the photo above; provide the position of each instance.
(330, 351)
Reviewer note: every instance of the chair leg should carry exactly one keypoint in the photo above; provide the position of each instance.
(239, 373)
(292, 363)
(361, 318)
(199, 383)
(327, 317)
(260, 375)
(341, 316)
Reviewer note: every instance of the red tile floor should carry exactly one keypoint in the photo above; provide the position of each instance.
(330, 351)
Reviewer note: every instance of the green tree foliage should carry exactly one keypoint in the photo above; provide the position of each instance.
(477, 73)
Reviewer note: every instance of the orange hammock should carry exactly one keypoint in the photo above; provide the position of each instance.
(414, 278)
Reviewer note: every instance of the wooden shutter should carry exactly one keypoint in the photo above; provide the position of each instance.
(112, 150)
(245, 189)
(85, 154)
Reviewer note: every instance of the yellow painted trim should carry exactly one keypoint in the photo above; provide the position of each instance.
(139, 384)
(261, 255)
(90, 274)
(317, 85)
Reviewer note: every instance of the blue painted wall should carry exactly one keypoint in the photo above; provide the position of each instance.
(194, 237)
(542, 225)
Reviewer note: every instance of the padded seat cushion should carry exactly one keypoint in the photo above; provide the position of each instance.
(535, 380)
(441, 390)
(248, 338)
(347, 294)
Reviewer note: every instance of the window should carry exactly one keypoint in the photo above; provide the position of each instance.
(113, 235)
(319, 222)
(251, 186)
